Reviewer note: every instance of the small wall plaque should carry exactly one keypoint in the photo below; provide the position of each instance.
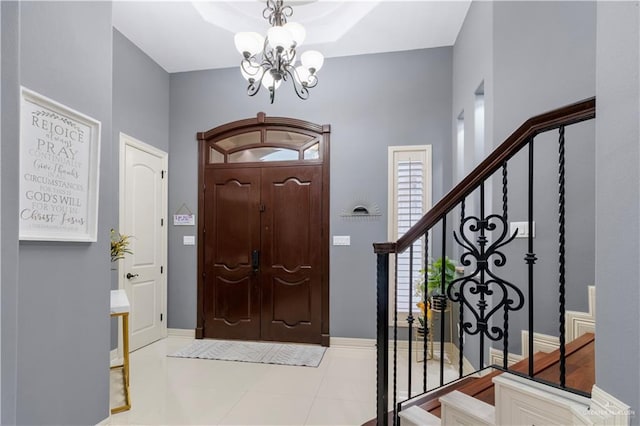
(184, 216)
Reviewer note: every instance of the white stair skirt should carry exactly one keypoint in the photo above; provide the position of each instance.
(416, 416)
(461, 409)
(521, 401)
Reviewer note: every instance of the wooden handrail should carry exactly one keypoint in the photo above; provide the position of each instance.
(570, 114)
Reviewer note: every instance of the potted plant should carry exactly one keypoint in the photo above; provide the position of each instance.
(119, 245)
(437, 300)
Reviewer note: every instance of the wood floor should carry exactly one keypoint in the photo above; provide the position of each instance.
(580, 374)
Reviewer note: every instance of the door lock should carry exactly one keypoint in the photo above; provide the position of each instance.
(130, 275)
(255, 260)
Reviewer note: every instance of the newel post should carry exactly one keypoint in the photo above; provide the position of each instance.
(382, 251)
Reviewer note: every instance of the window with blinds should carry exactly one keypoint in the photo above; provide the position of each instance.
(409, 200)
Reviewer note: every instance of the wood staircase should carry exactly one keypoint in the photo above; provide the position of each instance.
(580, 375)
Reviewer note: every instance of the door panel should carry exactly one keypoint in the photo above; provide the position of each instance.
(144, 207)
(291, 245)
(232, 233)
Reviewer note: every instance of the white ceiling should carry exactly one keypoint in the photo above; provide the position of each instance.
(188, 36)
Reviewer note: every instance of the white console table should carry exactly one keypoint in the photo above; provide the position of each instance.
(120, 308)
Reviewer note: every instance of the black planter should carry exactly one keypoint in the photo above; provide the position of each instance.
(438, 302)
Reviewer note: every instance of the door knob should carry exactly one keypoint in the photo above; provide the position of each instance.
(130, 275)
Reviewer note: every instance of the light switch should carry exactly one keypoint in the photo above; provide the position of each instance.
(189, 240)
(523, 229)
(341, 240)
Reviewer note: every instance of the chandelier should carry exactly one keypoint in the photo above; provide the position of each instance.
(267, 61)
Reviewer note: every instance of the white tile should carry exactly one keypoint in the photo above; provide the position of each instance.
(166, 390)
(326, 411)
(289, 380)
(348, 389)
(257, 408)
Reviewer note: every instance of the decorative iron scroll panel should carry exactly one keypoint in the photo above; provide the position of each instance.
(474, 290)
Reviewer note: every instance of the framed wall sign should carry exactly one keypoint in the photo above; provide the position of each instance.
(59, 171)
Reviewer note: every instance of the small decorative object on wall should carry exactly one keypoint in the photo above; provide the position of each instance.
(59, 171)
(361, 209)
(184, 216)
(119, 245)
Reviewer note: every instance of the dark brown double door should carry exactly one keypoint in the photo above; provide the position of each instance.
(263, 253)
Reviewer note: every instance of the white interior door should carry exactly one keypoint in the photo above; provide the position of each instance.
(143, 207)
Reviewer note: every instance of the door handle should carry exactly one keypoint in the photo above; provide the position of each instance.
(130, 275)
(255, 260)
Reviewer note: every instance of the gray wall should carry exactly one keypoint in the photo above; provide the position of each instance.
(544, 58)
(56, 348)
(618, 201)
(472, 65)
(140, 110)
(9, 220)
(140, 96)
(369, 106)
(533, 57)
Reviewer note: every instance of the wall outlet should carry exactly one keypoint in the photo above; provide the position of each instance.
(342, 240)
(522, 229)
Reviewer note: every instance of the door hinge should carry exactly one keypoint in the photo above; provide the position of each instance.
(161, 222)
(162, 174)
(161, 269)
(262, 207)
(161, 317)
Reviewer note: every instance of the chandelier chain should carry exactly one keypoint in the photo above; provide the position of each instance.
(277, 13)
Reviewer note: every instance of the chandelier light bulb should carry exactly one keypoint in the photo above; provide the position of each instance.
(251, 70)
(250, 42)
(268, 81)
(302, 74)
(279, 37)
(313, 60)
(297, 32)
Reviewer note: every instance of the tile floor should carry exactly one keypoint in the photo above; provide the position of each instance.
(179, 391)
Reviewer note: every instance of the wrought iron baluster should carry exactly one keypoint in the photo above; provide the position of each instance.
(410, 320)
(395, 345)
(425, 325)
(461, 311)
(482, 242)
(505, 215)
(443, 292)
(561, 256)
(382, 320)
(530, 258)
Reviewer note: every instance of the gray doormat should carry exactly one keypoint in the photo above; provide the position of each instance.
(260, 352)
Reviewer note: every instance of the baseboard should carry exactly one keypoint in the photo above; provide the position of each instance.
(541, 342)
(578, 323)
(496, 357)
(181, 332)
(614, 411)
(351, 342)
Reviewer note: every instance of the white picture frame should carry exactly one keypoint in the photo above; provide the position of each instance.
(59, 171)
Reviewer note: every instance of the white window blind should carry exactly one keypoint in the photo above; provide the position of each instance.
(410, 202)
(410, 197)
